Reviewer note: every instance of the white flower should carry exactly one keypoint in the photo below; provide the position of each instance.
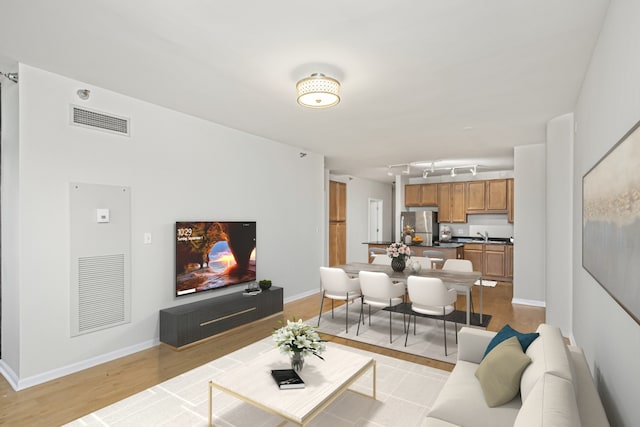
(298, 337)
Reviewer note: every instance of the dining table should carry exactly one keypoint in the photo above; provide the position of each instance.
(459, 280)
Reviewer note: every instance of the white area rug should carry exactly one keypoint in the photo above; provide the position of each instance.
(405, 393)
(428, 341)
(489, 283)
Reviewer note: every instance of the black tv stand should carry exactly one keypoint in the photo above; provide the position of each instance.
(187, 324)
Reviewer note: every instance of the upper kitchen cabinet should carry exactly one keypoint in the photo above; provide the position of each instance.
(510, 185)
(451, 207)
(458, 208)
(444, 203)
(421, 195)
(487, 196)
(337, 201)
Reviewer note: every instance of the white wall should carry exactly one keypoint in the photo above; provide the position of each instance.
(608, 106)
(10, 220)
(559, 162)
(179, 168)
(529, 225)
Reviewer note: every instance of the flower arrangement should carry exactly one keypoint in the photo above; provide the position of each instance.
(399, 250)
(408, 230)
(298, 337)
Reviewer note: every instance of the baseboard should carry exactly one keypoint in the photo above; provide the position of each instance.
(21, 383)
(9, 375)
(302, 295)
(531, 302)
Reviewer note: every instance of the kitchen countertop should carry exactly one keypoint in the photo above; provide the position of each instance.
(455, 242)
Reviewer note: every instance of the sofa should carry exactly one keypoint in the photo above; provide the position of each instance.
(555, 387)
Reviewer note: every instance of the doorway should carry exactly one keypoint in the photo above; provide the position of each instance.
(375, 220)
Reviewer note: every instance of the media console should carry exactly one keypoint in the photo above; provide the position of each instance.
(189, 323)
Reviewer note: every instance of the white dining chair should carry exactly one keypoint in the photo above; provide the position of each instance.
(431, 297)
(425, 262)
(337, 285)
(436, 256)
(463, 265)
(379, 291)
(381, 259)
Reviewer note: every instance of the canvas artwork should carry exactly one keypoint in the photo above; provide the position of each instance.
(611, 222)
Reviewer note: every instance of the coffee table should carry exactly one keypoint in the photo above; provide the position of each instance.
(324, 381)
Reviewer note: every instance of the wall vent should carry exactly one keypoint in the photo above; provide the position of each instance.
(101, 292)
(92, 119)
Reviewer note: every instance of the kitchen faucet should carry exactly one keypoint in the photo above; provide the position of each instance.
(485, 236)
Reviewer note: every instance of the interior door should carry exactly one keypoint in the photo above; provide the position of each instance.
(375, 220)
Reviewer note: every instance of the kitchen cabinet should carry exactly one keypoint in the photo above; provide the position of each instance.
(337, 243)
(495, 261)
(337, 201)
(473, 252)
(487, 196)
(421, 195)
(337, 223)
(458, 211)
(451, 202)
(444, 203)
(510, 185)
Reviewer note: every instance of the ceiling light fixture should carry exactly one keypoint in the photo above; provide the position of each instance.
(318, 91)
(473, 170)
(453, 172)
(425, 173)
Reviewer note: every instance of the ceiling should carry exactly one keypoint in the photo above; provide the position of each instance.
(423, 80)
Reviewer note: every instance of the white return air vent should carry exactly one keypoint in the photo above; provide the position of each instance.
(92, 119)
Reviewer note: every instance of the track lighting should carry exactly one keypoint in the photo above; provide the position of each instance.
(453, 172)
(83, 94)
(11, 76)
(425, 173)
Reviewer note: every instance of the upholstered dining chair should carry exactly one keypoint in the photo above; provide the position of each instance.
(436, 256)
(337, 285)
(464, 265)
(381, 259)
(379, 291)
(377, 251)
(430, 296)
(425, 262)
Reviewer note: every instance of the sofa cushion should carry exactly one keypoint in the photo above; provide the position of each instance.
(460, 402)
(507, 332)
(551, 402)
(500, 372)
(549, 354)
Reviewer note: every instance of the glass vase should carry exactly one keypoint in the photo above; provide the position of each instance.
(297, 361)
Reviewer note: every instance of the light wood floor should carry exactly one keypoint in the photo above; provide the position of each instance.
(65, 399)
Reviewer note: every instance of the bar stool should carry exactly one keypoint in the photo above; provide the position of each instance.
(437, 257)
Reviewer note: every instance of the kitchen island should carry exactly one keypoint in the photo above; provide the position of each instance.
(451, 250)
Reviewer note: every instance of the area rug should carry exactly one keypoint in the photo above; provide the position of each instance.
(427, 342)
(405, 393)
(489, 283)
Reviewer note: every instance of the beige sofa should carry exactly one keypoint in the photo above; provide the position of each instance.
(556, 388)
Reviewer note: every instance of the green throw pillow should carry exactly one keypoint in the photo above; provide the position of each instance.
(508, 332)
(499, 373)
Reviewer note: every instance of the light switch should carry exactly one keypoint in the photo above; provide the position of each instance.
(147, 238)
(102, 215)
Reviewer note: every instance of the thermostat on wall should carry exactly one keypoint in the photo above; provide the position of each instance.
(102, 215)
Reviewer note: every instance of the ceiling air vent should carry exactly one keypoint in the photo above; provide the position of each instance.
(97, 120)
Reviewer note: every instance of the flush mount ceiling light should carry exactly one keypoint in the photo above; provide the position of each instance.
(318, 91)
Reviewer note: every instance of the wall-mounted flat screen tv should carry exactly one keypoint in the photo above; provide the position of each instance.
(214, 254)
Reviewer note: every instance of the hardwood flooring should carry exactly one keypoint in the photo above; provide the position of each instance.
(63, 400)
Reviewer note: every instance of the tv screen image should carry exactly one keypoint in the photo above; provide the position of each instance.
(214, 254)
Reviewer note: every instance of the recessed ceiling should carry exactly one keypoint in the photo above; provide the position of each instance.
(421, 80)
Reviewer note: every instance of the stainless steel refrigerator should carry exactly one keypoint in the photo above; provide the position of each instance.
(425, 224)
